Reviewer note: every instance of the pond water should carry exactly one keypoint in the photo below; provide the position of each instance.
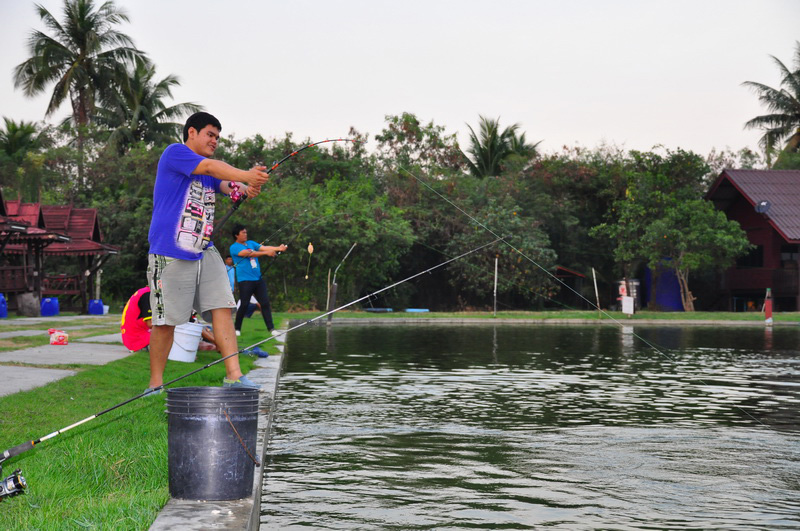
(516, 427)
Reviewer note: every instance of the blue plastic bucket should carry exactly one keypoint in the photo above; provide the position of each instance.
(3, 307)
(96, 307)
(49, 307)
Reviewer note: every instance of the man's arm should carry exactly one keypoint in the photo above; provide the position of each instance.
(250, 253)
(270, 250)
(216, 168)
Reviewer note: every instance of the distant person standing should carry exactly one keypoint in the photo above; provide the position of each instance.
(231, 271)
(245, 255)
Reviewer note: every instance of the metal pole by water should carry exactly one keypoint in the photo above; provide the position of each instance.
(596, 293)
(334, 287)
(495, 286)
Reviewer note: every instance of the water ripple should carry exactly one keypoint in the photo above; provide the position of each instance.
(460, 428)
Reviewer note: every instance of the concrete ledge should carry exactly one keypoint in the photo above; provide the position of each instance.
(235, 514)
(533, 322)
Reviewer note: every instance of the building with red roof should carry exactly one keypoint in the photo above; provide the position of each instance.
(766, 203)
(31, 233)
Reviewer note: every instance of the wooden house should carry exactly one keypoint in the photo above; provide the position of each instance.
(766, 203)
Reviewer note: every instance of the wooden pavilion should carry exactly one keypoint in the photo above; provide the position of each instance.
(31, 233)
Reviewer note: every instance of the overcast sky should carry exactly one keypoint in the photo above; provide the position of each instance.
(633, 73)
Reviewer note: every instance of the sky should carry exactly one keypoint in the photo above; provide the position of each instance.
(630, 73)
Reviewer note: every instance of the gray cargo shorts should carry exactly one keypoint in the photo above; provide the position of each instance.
(179, 286)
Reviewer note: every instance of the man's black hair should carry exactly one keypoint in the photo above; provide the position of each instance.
(199, 120)
(237, 229)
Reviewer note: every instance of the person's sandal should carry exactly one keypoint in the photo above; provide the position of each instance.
(241, 382)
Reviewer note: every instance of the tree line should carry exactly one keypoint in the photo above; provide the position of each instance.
(410, 198)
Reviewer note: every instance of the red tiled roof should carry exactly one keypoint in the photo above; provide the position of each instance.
(780, 187)
(57, 217)
(28, 212)
(80, 246)
(48, 222)
(76, 222)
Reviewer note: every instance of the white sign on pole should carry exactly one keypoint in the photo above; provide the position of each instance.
(627, 305)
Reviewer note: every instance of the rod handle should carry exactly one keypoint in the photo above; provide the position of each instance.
(18, 449)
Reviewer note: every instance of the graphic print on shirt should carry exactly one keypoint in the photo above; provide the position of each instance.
(197, 218)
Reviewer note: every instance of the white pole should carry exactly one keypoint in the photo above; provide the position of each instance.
(495, 286)
(97, 277)
(596, 293)
(328, 305)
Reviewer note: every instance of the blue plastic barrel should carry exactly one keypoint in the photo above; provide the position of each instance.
(49, 307)
(3, 307)
(96, 307)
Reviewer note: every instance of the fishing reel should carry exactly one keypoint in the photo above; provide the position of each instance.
(12, 485)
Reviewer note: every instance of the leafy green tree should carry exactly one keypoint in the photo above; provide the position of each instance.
(782, 124)
(662, 220)
(138, 112)
(692, 236)
(405, 142)
(490, 147)
(524, 260)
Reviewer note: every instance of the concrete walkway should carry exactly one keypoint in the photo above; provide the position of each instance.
(97, 350)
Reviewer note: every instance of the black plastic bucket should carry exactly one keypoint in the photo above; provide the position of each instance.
(207, 460)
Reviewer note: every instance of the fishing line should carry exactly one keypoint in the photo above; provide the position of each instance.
(591, 304)
(504, 282)
(27, 445)
(310, 252)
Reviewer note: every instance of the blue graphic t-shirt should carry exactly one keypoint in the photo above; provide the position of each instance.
(247, 268)
(183, 205)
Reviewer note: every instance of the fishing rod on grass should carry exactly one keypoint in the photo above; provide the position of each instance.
(15, 484)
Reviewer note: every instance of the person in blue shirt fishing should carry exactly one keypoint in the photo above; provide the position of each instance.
(185, 271)
(245, 255)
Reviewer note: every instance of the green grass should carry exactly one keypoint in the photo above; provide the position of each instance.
(110, 473)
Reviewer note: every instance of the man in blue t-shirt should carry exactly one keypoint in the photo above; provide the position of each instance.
(245, 255)
(185, 271)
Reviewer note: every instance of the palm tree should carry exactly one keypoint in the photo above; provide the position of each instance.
(490, 147)
(20, 170)
(783, 122)
(17, 139)
(81, 58)
(136, 112)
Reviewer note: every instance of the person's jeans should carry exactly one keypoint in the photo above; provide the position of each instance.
(248, 288)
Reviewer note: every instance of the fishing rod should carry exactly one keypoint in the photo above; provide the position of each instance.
(238, 202)
(17, 482)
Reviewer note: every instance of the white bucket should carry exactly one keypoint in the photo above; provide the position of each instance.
(185, 342)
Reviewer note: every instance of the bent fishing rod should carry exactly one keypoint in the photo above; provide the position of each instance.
(238, 202)
(27, 445)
